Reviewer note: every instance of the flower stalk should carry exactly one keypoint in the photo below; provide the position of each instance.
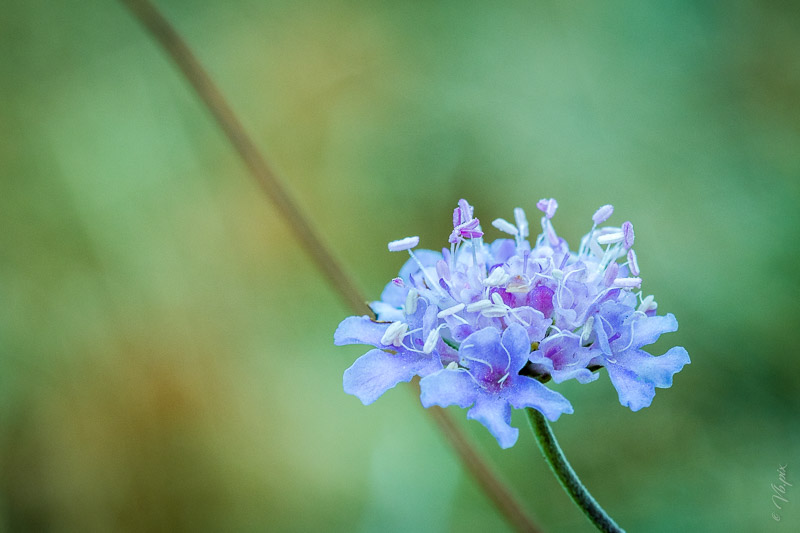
(566, 475)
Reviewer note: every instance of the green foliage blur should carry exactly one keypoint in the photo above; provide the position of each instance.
(166, 357)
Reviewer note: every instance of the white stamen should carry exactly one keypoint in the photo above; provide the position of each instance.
(595, 248)
(547, 229)
(548, 206)
(587, 330)
(403, 244)
(633, 264)
(522, 221)
(611, 238)
(647, 304)
(450, 310)
(433, 338)
(394, 334)
(495, 311)
(505, 226)
(480, 305)
(557, 274)
(452, 366)
(628, 283)
(603, 214)
(497, 278)
(411, 301)
(497, 299)
(610, 274)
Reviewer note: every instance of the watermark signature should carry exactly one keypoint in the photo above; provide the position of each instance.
(779, 491)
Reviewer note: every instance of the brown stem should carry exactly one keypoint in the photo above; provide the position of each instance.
(155, 23)
(498, 492)
(160, 28)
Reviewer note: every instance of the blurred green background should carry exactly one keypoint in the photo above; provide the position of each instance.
(166, 358)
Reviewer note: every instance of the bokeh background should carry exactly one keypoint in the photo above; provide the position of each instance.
(166, 358)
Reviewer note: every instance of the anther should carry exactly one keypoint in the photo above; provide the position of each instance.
(451, 310)
(647, 304)
(403, 244)
(632, 263)
(548, 206)
(547, 228)
(522, 221)
(442, 270)
(411, 301)
(497, 278)
(480, 305)
(627, 230)
(505, 226)
(495, 311)
(587, 330)
(603, 214)
(611, 238)
(430, 342)
(394, 334)
(595, 248)
(628, 283)
(611, 274)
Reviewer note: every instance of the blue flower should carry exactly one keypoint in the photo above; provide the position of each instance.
(621, 331)
(486, 324)
(490, 380)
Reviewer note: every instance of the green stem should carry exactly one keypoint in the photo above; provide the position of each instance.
(566, 475)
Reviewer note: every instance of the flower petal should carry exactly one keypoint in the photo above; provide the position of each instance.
(495, 414)
(541, 299)
(656, 370)
(394, 295)
(646, 330)
(538, 324)
(583, 375)
(359, 330)
(377, 371)
(569, 359)
(602, 334)
(515, 340)
(428, 318)
(502, 250)
(484, 353)
(527, 392)
(448, 387)
(561, 349)
(386, 312)
(633, 392)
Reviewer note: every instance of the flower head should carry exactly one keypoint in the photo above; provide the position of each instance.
(486, 324)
